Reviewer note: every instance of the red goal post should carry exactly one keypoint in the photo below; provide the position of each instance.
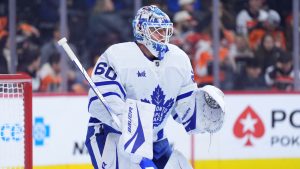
(15, 121)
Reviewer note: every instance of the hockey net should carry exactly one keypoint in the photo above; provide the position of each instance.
(15, 121)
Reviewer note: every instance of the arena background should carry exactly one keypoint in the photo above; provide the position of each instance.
(256, 65)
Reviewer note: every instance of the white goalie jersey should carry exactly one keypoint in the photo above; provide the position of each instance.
(123, 71)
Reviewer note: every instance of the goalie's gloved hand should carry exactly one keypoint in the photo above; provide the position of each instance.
(213, 108)
(216, 96)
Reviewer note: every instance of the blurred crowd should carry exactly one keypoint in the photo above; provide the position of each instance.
(255, 47)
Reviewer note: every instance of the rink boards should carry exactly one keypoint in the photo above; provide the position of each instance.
(260, 131)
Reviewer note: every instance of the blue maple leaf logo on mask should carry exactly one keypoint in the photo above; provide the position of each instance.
(162, 107)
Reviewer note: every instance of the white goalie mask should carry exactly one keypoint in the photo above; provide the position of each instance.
(153, 28)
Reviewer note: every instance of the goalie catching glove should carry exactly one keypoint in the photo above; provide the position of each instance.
(202, 112)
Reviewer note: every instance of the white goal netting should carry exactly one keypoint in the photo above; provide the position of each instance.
(12, 124)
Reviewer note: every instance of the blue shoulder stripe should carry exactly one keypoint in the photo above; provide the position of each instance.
(112, 83)
(184, 95)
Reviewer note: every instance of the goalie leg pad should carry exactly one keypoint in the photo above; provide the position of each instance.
(178, 161)
(102, 144)
(99, 141)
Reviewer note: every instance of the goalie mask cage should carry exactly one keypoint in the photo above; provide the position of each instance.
(15, 121)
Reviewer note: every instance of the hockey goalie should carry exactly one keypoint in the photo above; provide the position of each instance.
(145, 82)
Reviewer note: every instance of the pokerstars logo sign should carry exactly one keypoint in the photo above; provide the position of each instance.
(249, 125)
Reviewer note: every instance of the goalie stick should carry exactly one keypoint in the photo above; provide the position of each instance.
(63, 43)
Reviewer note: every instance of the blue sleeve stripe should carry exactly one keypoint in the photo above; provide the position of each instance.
(104, 95)
(191, 123)
(111, 93)
(112, 83)
(184, 95)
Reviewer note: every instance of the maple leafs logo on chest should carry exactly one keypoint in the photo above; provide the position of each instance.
(162, 107)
